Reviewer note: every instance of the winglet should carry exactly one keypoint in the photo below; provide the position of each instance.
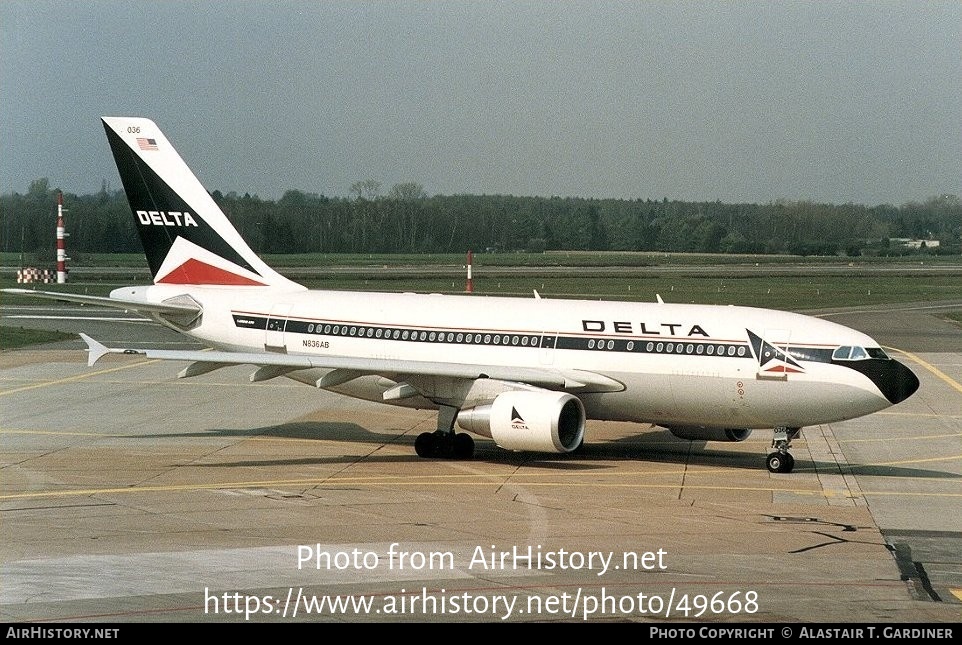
(95, 349)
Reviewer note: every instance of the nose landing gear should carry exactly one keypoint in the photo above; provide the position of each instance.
(780, 460)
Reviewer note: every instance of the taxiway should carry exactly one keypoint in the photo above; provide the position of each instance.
(130, 495)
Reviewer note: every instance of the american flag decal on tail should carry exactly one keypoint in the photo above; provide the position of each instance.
(147, 144)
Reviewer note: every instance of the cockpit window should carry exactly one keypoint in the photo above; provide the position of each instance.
(842, 353)
(856, 353)
(877, 352)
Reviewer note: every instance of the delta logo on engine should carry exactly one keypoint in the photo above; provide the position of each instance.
(517, 422)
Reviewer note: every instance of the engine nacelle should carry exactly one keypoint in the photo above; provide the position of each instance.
(710, 434)
(538, 421)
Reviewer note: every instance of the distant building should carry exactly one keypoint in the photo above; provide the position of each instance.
(915, 244)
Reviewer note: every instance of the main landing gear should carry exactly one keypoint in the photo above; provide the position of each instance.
(781, 461)
(445, 442)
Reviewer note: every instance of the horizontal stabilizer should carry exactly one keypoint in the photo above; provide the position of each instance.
(179, 308)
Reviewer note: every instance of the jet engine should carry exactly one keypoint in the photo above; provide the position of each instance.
(540, 421)
(695, 433)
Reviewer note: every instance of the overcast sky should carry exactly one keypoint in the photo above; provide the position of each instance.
(735, 101)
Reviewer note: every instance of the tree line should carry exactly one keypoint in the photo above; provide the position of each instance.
(406, 220)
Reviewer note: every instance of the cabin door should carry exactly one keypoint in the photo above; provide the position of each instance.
(274, 333)
(548, 342)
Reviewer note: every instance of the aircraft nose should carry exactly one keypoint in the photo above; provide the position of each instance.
(896, 381)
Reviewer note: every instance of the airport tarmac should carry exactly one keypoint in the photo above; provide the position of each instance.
(128, 495)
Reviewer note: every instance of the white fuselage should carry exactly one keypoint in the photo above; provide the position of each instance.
(680, 365)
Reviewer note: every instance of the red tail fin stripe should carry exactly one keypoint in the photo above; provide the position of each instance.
(196, 272)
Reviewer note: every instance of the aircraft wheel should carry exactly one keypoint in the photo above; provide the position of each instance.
(775, 462)
(424, 445)
(788, 463)
(463, 446)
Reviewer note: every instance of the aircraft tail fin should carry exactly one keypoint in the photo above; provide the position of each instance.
(186, 236)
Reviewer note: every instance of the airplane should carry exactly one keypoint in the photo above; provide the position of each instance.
(525, 372)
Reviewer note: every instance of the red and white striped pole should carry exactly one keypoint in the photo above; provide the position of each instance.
(469, 287)
(61, 248)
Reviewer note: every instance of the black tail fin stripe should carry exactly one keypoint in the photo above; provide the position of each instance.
(159, 212)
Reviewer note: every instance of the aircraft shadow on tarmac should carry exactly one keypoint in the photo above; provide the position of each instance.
(649, 445)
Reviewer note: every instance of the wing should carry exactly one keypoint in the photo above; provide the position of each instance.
(348, 367)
